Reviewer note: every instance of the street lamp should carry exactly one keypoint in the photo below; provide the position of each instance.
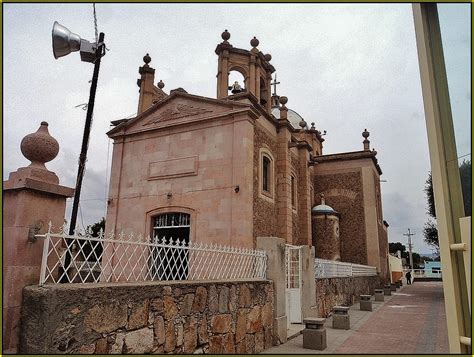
(65, 42)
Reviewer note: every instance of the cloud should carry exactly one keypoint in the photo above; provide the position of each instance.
(346, 67)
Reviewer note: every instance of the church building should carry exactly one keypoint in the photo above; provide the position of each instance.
(229, 169)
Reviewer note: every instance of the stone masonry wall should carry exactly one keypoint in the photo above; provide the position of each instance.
(352, 223)
(295, 216)
(265, 212)
(383, 252)
(332, 292)
(152, 317)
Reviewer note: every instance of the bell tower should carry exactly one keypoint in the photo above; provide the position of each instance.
(252, 64)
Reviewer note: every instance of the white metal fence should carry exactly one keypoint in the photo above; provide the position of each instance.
(82, 258)
(424, 273)
(324, 268)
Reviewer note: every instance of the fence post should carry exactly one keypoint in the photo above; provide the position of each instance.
(44, 258)
(308, 284)
(275, 249)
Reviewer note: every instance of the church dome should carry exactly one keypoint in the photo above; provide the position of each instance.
(293, 117)
(324, 209)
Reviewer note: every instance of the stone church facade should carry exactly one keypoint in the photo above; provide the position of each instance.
(229, 169)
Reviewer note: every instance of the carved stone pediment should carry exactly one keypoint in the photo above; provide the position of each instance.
(178, 111)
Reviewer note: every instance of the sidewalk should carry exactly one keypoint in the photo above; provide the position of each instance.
(410, 321)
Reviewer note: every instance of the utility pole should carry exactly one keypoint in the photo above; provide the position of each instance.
(410, 246)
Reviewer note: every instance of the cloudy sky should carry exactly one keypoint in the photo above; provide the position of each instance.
(345, 67)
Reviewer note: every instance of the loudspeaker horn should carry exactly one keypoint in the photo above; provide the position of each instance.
(64, 41)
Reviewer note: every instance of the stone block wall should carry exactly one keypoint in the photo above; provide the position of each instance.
(331, 292)
(265, 212)
(343, 192)
(150, 317)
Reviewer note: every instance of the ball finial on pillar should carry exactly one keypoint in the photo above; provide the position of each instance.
(161, 84)
(39, 147)
(365, 135)
(146, 59)
(254, 42)
(225, 36)
(302, 124)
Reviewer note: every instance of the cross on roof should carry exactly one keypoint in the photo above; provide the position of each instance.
(274, 84)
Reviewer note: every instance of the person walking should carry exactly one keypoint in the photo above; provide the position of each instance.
(408, 277)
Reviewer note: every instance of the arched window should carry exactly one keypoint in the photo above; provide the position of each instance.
(236, 76)
(266, 175)
(266, 167)
(263, 92)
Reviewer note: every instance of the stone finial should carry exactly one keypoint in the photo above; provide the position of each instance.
(283, 108)
(39, 147)
(365, 135)
(268, 57)
(323, 201)
(160, 84)
(302, 124)
(313, 127)
(225, 36)
(146, 59)
(254, 42)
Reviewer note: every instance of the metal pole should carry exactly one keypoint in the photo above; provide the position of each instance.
(85, 145)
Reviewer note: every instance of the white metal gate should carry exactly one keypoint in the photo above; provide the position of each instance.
(293, 284)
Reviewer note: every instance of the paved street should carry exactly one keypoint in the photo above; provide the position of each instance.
(411, 321)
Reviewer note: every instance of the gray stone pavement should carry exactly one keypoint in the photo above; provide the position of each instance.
(412, 320)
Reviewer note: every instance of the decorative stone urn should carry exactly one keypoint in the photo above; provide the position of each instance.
(39, 147)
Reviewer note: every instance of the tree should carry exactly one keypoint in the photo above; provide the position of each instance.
(431, 210)
(96, 227)
(394, 247)
(430, 234)
(465, 173)
(430, 230)
(95, 246)
(426, 259)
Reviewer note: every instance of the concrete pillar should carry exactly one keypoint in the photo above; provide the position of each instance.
(365, 303)
(379, 296)
(308, 284)
(314, 334)
(341, 318)
(275, 249)
(32, 197)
